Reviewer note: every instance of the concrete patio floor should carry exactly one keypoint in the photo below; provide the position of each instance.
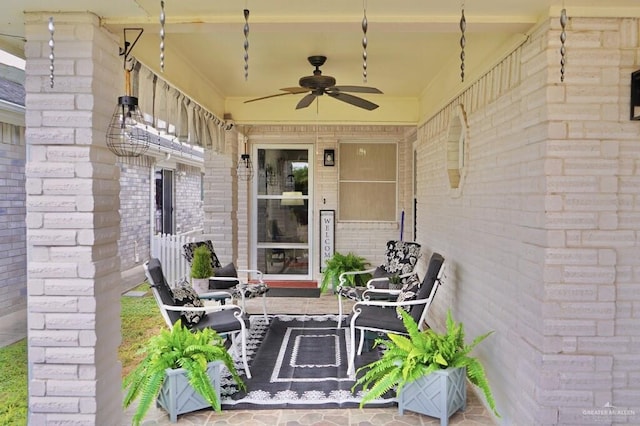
(475, 413)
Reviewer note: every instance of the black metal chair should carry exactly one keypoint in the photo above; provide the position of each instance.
(400, 261)
(224, 319)
(226, 277)
(382, 316)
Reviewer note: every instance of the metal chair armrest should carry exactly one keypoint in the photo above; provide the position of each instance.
(342, 277)
(214, 295)
(206, 309)
(257, 272)
(389, 304)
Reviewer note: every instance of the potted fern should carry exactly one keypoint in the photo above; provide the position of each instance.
(428, 370)
(339, 263)
(181, 370)
(201, 269)
(395, 282)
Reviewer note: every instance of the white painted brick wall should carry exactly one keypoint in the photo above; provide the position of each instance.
(220, 206)
(365, 239)
(542, 243)
(13, 251)
(73, 190)
(227, 223)
(135, 189)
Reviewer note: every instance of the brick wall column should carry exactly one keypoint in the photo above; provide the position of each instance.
(72, 223)
(220, 203)
(243, 191)
(591, 331)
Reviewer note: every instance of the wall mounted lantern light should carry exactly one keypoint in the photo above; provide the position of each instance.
(127, 135)
(329, 157)
(635, 96)
(245, 167)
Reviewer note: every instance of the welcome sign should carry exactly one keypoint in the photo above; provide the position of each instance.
(327, 236)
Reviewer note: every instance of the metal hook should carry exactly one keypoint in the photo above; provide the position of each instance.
(128, 46)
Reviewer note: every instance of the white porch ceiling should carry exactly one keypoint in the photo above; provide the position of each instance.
(412, 43)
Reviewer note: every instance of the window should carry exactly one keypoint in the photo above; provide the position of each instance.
(164, 201)
(367, 183)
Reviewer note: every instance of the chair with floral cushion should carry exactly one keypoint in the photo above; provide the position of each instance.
(382, 316)
(400, 261)
(226, 278)
(182, 303)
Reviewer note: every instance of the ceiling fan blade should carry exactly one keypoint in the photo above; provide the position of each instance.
(288, 91)
(353, 100)
(296, 89)
(267, 97)
(306, 101)
(356, 89)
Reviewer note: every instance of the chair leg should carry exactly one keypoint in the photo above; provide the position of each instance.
(264, 308)
(243, 341)
(360, 345)
(352, 352)
(242, 300)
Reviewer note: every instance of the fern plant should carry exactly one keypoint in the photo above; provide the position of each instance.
(406, 359)
(178, 348)
(339, 263)
(201, 263)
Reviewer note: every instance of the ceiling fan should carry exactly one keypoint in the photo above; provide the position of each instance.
(318, 85)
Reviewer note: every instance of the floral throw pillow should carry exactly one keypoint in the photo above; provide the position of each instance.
(185, 295)
(189, 248)
(409, 292)
(401, 257)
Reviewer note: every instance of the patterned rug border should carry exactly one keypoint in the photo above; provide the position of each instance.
(264, 399)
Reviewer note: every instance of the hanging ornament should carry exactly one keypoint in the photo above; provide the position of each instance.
(162, 34)
(463, 41)
(246, 44)
(52, 29)
(365, 26)
(563, 39)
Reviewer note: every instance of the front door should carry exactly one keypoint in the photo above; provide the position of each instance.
(282, 215)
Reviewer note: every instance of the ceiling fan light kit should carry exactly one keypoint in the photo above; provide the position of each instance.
(317, 85)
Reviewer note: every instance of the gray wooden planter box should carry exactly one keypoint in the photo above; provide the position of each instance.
(439, 394)
(178, 397)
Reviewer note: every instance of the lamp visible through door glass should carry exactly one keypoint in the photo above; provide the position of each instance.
(292, 198)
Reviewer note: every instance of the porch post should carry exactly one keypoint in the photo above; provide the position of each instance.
(72, 186)
(221, 202)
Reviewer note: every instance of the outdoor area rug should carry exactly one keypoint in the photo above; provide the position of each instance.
(297, 361)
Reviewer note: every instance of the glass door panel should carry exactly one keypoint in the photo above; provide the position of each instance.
(282, 213)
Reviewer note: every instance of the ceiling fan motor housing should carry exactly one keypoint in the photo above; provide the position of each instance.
(317, 81)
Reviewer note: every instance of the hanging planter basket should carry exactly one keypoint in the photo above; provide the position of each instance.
(178, 397)
(439, 394)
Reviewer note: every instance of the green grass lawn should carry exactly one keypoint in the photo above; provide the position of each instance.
(140, 320)
(13, 376)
